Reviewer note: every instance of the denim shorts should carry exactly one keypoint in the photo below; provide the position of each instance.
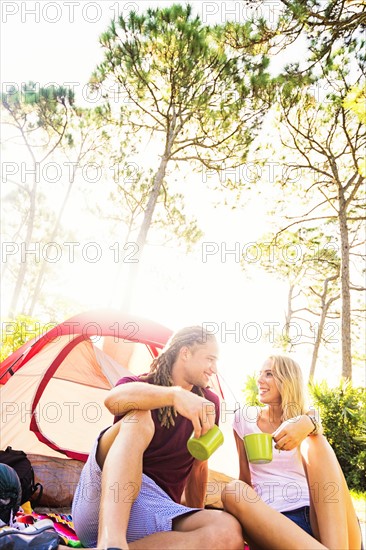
(301, 517)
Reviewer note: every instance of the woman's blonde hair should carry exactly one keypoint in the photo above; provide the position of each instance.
(289, 381)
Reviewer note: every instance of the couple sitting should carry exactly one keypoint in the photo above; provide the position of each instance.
(130, 488)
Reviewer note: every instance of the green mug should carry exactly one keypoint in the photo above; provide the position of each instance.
(258, 448)
(203, 447)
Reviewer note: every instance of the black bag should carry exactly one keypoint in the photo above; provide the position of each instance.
(21, 464)
(46, 538)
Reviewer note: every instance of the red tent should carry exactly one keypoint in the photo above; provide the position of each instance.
(52, 389)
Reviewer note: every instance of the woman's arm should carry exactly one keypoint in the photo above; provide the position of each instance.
(293, 431)
(244, 472)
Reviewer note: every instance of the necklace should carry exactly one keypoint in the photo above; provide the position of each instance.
(267, 420)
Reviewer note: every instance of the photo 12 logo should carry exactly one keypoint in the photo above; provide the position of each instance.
(70, 252)
(252, 332)
(253, 252)
(240, 11)
(70, 12)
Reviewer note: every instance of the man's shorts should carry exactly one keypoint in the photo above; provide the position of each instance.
(153, 510)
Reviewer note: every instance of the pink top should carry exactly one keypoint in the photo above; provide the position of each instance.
(167, 460)
(281, 483)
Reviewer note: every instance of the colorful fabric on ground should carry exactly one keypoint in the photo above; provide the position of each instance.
(62, 522)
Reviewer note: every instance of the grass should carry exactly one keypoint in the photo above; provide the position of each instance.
(359, 502)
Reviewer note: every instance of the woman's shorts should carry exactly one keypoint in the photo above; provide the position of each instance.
(153, 510)
(300, 516)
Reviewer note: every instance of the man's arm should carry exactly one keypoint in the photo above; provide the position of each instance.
(196, 486)
(138, 396)
(146, 397)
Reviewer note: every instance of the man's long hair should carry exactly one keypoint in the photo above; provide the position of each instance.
(161, 368)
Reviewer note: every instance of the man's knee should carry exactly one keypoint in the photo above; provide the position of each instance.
(221, 530)
(140, 423)
(137, 425)
(227, 533)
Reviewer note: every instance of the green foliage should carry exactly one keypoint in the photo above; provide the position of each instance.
(355, 100)
(343, 412)
(38, 113)
(327, 25)
(250, 391)
(17, 331)
(130, 201)
(181, 78)
(31, 94)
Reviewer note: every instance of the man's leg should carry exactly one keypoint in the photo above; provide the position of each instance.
(330, 498)
(205, 529)
(264, 527)
(119, 455)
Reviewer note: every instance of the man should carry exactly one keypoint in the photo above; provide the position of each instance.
(131, 486)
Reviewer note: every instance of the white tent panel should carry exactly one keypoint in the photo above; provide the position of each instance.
(16, 398)
(71, 409)
(72, 415)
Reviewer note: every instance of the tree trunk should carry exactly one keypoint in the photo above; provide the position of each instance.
(145, 226)
(345, 290)
(142, 236)
(39, 282)
(317, 343)
(325, 305)
(171, 135)
(288, 316)
(28, 240)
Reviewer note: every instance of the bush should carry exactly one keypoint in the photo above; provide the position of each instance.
(15, 332)
(250, 391)
(343, 411)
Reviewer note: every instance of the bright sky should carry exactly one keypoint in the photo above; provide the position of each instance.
(57, 42)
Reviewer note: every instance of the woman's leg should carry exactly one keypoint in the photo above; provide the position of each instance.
(330, 499)
(264, 527)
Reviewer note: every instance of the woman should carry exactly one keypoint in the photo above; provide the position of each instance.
(304, 481)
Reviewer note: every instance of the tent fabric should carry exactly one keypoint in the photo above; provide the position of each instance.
(82, 367)
(53, 388)
(96, 323)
